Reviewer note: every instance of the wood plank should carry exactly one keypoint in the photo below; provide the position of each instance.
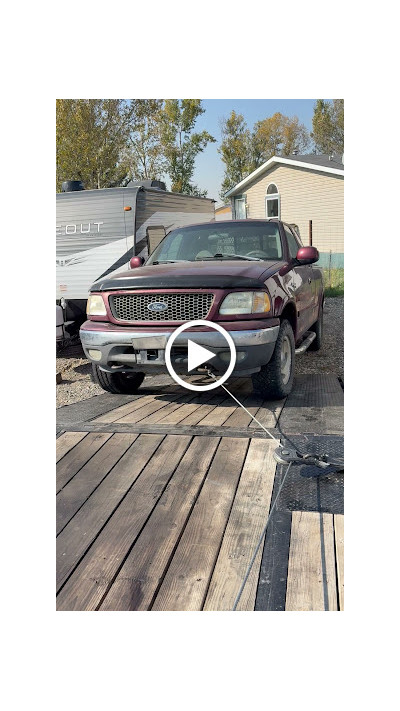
(179, 429)
(161, 414)
(240, 418)
(268, 414)
(154, 405)
(172, 418)
(78, 535)
(85, 410)
(194, 402)
(136, 403)
(85, 589)
(69, 465)
(67, 441)
(218, 415)
(246, 521)
(78, 490)
(140, 576)
(200, 413)
(122, 410)
(186, 581)
(221, 413)
(311, 581)
(339, 549)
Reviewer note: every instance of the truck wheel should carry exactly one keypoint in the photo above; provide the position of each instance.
(118, 383)
(317, 327)
(275, 380)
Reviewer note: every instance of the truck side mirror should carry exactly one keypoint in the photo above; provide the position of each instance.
(136, 262)
(307, 255)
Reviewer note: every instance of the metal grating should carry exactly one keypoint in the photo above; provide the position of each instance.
(179, 307)
(305, 489)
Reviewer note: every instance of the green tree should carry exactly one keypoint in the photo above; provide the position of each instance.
(91, 137)
(243, 151)
(235, 151)
(181, 144)
(277, 135)
(328, 126)
(144, 152)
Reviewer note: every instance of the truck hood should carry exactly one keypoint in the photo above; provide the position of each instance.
(221, 274)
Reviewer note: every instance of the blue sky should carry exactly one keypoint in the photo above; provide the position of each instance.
(209, 166)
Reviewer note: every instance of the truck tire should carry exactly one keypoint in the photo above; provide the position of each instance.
(275, 380)
(317, 327)
(117, 383)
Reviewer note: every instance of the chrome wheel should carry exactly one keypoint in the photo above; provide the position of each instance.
(286, 360)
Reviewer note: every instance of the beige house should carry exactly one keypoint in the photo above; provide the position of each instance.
(223, 212)
(297, 189)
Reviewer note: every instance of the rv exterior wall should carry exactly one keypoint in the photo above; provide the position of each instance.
(96, 236)
(172, 210)
(92, 232)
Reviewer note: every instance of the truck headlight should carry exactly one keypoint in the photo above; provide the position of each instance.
(96, 306)
(246, 302)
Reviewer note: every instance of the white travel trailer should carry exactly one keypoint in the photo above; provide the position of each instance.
(98, 231)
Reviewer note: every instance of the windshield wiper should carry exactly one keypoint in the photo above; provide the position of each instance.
(170, 261)
(231, 256)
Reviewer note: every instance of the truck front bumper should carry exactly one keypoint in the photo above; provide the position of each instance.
(116, 349)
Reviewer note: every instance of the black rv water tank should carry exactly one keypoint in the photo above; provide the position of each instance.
(147, 184)
(70, 186)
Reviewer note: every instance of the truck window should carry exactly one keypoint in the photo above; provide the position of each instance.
(293, 244)
(258, 240)
(172, 251)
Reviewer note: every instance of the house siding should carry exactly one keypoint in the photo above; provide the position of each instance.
(305, 195)
(223, 213)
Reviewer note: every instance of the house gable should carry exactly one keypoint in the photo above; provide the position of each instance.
(321, 163)
(305, 194)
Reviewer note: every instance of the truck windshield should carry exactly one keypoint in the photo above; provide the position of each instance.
(254, 240)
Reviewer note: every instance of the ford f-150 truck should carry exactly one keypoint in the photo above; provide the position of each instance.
(252, 277)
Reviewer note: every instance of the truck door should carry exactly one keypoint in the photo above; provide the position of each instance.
(302, 285)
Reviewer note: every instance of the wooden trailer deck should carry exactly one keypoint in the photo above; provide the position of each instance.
(162, 497)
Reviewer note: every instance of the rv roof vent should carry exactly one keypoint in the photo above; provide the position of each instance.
(70, 186)
(147, 184)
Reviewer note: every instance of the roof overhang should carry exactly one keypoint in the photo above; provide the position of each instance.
(283, 161)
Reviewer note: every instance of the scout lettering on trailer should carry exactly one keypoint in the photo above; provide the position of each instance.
(83, 228)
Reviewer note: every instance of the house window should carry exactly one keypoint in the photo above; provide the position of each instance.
(240, 208)
(273, 202)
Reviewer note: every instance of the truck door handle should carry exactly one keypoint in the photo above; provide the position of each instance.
(309, 280)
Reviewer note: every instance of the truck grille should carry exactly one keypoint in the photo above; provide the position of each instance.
(180, 307)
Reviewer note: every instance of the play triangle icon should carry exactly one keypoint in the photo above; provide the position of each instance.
(197, 355)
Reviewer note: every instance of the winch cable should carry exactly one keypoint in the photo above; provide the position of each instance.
(211, 374)
(307, 460)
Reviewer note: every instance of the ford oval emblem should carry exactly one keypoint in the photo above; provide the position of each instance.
(157, 306)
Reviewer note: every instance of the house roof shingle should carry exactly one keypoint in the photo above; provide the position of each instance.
(323, 159)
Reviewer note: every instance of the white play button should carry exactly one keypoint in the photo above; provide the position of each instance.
(197, 355)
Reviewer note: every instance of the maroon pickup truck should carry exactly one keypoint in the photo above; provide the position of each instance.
(253, 277)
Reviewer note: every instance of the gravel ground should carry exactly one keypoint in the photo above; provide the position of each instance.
(330, 358)
(77, 385)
